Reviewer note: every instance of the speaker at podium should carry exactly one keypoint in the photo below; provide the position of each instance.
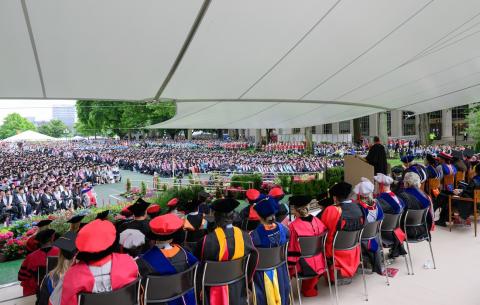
(355, 167)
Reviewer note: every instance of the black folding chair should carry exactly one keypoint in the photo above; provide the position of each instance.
(273, 258)
(52, 262)
(41, 272)
(311, 246)
(343, 241)
(224, 273)
(417, 218)
(127, 295)
(372, 231)
(389, 224)
(165, 288)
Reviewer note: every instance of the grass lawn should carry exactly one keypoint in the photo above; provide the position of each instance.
(9, 271)
(394, 162)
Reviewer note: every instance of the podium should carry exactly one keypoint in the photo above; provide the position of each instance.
(355, 168)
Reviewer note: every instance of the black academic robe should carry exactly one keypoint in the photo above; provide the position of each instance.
(141, 225)
(377, 157)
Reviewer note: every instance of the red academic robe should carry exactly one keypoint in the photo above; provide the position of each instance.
(308, 226)
(79, 278)
(345, 261)
(27, 274)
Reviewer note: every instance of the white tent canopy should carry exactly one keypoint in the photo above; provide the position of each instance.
(246, 64)
(29, 136)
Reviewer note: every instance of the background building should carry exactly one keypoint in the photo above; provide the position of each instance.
(65, 113)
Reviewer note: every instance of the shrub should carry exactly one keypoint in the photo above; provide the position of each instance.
(334, 175)
(128, 187)
(246, 181)
(143, 188)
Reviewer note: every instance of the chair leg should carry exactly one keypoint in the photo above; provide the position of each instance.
(336, 282)
(410, 256)
(450, 213)
(329, 283)
(431, 253)
(475, 216)
(363, 276)
(385, 265)
(299, 283)
(406, 263)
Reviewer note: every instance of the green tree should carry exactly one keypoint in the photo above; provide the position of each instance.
(14, 123)
(473, 129)
(54, 128)
(120, 117)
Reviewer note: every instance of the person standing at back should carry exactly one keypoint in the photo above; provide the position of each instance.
(377, 157)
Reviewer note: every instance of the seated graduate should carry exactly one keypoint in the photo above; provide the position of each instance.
(270, 287)
(173, 207)
(305, 225)
(132, 242)
(167, 257)
(344, 215)
(139, 221)
(410, 166)
(74, 222)
(278, 194)
(27, 275)
(464, 208)
(98, 269)
(416, 199)
(391, 204)
(195, 224)
(51, 288)
(431, 167)
(248, 216)
(204, 198)
(153, 211)
(226, 243)
(32, 242)
(373, 212)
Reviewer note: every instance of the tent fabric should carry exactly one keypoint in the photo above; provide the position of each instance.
(29, 136)
(249, 64)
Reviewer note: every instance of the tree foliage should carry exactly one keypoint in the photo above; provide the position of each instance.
(14, 123)
(54, 128)
(473, 119)
(120, 117)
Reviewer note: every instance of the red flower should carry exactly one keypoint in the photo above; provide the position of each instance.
(52, 217)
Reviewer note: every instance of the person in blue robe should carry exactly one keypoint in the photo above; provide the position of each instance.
(272, 286)
(167, 257)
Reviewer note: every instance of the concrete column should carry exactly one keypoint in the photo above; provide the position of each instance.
(397, 123)
(336, 128)
(382, 127)
(258, 137)
(447, 132)
(189, 134)
(423, 128)
(351, 127)
(308, 140)
(373, 125)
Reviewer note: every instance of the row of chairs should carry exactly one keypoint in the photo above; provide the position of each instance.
(229, 272)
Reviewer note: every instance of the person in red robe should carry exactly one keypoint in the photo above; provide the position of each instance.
(32, 243)
(28, 273)
(347, 216)
(305, 225)
(98, 268)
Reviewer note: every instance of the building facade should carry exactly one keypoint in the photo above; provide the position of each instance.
(448, 126)
(66, 114)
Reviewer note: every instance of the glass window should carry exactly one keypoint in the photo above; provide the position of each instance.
(365, 125)
(389, 123)
(459, 113)
(314, 129)
(344, 127)
(408, 123)
(327, 128)
(296, 130)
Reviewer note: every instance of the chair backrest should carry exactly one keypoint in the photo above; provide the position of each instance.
(127, 295)
(390, 222)
(312, 245)
(162, 289)
(460, 176)
(51, 263)
(415, 217)
(371, 230)
(471, 174)
(41, 272)
(476, 196)
(271, 258)
(224, 273)
(433, 183)
(346, 240)
(448, 179)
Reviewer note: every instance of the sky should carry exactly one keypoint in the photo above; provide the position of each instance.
(40, 109)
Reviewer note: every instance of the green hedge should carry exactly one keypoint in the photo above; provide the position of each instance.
(310, 188)
(334, 175)
(244, 181)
